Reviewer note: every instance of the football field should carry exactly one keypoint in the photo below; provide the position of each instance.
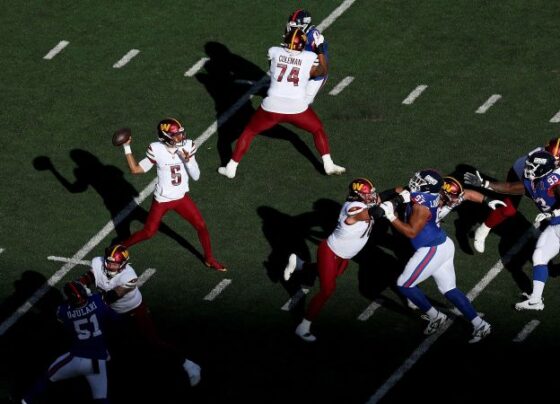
(412, 85)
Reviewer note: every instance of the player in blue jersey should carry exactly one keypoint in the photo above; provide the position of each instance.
(84, 317)
(302, 19)
(433, 256)
(540, 182)
(501, 214)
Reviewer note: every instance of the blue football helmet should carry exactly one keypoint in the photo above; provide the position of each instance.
(426, 181)
(538, 165)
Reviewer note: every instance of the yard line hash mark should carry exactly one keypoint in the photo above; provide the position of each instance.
(110, 226)
(56, 50)
(555, 118)
(64, 259)
(291, 303)
(196, 67)
(429, 341)
(489, 102)
(217, 290)
(341, 86)
(414, 94)
(528, 329)
(126, 58)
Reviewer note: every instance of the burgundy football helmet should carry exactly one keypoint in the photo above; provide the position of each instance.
(295, 40)
(116, 258)
(362, 189)
(171, 132)
(452, 191)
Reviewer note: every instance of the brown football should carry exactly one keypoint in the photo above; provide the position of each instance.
(121, 136)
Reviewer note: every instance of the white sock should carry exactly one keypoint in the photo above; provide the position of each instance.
(432, 313)
(476, 322)
(327, 159)
(232, 164)
(538, 288)
(483, 230)
(305, 325)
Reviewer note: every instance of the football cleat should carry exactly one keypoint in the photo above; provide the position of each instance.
(480, 332)
(193, 370)
(304, 334)
(212, 263)
(530, 305)
(333, 169)
(291, 267)
(434, 324)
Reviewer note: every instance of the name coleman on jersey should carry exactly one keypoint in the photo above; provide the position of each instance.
(289, 60)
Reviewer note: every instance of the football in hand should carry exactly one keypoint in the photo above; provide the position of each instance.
(121, 136)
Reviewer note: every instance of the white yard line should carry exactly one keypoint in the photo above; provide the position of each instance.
(126, 58)
(528, 329)
(555, 118)
(56, 50)
(414, 94)
(64, 259)
(368, 312)
(218, 289)
(145, 276)
(346, 4)
(110, 226)
(291, 303)
(342, 85)
(489, 102)
(196, 67)
(429, 341)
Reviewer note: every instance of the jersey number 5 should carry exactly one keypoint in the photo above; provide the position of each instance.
(175, 175)
(293, 76)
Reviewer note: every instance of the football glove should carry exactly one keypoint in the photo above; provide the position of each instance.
(545, 216)
(493, 203)
(476, 180)
(389, 211)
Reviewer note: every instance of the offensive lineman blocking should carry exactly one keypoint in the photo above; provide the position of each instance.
(291, 67)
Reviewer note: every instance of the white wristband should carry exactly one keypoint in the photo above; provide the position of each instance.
(127, 149)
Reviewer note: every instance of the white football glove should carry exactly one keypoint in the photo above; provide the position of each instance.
(389, 210)
(476, 180)
(543, 216)
(318, 38)
(405, 195)
(495, 203)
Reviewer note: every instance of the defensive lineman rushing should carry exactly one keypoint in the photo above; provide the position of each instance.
(501, 214)
(116, 279)
(291, 67)
(434, 253)
(352, 232)
(174, 157)
(541, 180)
(85, 318)
(302, 19)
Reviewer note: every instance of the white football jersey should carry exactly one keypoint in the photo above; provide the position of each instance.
(173, 178)
(127, 277)
(289, 75)
(348, 239)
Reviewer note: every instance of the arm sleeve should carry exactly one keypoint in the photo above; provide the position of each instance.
(146, 164)
(193, 169)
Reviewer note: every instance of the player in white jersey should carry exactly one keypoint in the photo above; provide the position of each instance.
(291, 67)
(174, 158)
(118, 282)
(352, 232)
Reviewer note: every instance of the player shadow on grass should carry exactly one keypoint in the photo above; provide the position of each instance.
(37, 338)
(117, 193)
(228, 77)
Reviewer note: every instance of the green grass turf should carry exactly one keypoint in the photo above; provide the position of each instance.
(65, 109)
